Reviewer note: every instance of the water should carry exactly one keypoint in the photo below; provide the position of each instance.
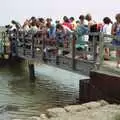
(21, 99)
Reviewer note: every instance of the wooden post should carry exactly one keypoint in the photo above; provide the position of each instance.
(73, 52)
(84, 90)
(16, 42)
(43, 46)
(24, 44)
(101, 52)
(94, 48)
(31, 72)
(57, 57)
(4, 46)
(33, 46)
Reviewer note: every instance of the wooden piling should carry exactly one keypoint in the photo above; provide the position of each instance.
(3, 37)
(31, 72)
(57, 60)
(24, 45)
(73, 52)
(33, 46)
(43, 47)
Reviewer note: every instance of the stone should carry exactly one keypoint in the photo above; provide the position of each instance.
(34, 118)
(75, 108)
(43, 117)
(92, 105)
(55, 112)
(103, 102)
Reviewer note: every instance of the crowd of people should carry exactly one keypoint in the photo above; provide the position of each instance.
(60, 29)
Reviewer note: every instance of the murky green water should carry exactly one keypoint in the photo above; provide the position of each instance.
(21, 99)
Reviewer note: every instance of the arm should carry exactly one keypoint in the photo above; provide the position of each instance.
(113, 31)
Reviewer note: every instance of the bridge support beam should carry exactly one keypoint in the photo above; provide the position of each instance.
(31, 72)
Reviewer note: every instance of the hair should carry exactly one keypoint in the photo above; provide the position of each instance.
(33, 18)
(41, 20)
(81, 17)
(33, 23)
(57, 22)
(49, 20)
(59, 26)
(72, 18)
(117, 16)
(88, 17)
(77, 21)
(107, 20)
(65, 18)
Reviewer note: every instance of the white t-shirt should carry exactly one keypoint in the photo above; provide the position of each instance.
(26, 28)
(107, 29)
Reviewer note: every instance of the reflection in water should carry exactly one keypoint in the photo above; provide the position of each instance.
(20, 99)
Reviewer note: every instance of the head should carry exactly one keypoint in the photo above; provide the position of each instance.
(117, 17)
(32, 21)
(26, 22)
(72, 19)
(32, 18)
(37, 23)
(57, 22)
(59, 27)
(13, 22)
(81, 17)
(78, 22)
(48, 24)
(65, 18)
(107, 20)
(88, 17)
(41, 20)
(48, 20)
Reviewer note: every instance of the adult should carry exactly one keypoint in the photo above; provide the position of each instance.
(73, 23)
(116, 31)
(66, 22)
(90, 20)
(107, 27)
(81, 31)
(51, 29)
(26, 25)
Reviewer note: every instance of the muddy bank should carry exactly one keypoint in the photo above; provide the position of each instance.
(88, 111)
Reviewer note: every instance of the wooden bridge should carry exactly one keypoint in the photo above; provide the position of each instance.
(38, 47)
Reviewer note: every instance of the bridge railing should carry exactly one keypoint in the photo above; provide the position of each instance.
(4, 45)
(110, 52)
(64, 53)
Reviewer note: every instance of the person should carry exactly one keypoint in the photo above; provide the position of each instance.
(51, 29)
(73, 23)
(17, 24)
(81, 30)
(60, 35)
(66, 22)
(84, 22)
(107, 27)
(116, 31)
(42, 23)
(26, 26)
(91, 22)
